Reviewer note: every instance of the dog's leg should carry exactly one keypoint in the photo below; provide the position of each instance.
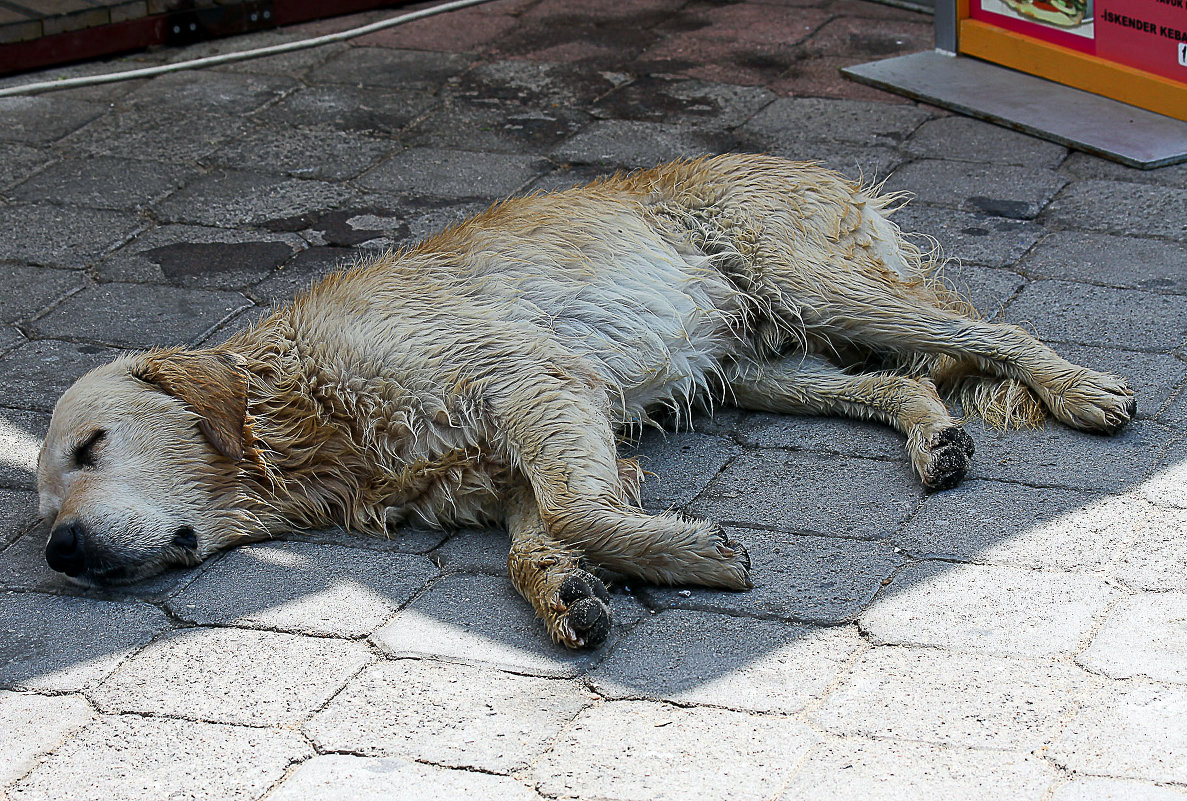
(940, 450)
(572, 602)
(888, 321)
(561, 439)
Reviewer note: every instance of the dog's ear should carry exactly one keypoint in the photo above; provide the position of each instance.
(213, 384)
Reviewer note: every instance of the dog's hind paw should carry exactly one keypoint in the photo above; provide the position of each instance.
(944, 458)
(1096, 402)
(583, 611)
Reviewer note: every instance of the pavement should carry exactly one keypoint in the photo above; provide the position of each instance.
(1019, 637)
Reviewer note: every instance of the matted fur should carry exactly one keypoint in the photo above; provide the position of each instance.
(484, 375)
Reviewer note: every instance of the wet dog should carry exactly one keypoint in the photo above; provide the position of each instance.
(484, 375)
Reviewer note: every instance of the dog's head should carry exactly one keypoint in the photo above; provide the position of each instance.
(139, 461)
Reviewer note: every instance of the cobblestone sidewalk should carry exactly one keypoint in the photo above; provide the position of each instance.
(1019, 637)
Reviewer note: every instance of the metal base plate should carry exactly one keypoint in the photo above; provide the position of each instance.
(1081, 120)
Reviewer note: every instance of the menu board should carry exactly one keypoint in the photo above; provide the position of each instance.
(1149, 35)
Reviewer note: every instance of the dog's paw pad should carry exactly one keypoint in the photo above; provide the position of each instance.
(587, 610)
(947, 457)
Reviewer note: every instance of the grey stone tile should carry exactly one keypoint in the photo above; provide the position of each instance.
(474, 551)
(62, 236)
(55, 717)
(1129, 319)
(498, 126)
(1144, 635)
(1058, 456)
(679, 465)
(1098, 788)
(305, 269)
(65, 644)
(385, 66)
(397, 539)
(970, 700)
(989, 290)
(343, 777)
(1121, 261)
(481, 620)
(324, 155)
(453, 173)
(21, 433)
(683, 101)
(10, 337)
(208, 92)
(1083, 165)
(825, 435)
(817, 579)
(148, 758)
(905, 771)
(178, 137)
(1121, 208)
(812, 493)
(1012, 524)
(138, 315)
(44, 118)
(866, 164)
(792, 120)
(540, 84)
(230, 199)
(638, 749)
(988, 609)
(304, 588)
(226, 675)
(739, 663)
(982, 142)
(1127, 730)
(32, 289)
(103, 182)
(19, 514)
(971, 237)
(1155, 560)
(199, 257)
(628, 143)
(347, 108)
(447, 714)
(34, 375)
(1167, 485)
(1018, 193)
(566, 176)
(18, 162)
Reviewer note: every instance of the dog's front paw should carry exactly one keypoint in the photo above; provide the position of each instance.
(944, 458)
(1096, 402)
(583, 611)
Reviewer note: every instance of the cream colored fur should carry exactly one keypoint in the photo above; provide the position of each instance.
(485, 374)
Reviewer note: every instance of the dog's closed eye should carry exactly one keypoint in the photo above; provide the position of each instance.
(84, 454)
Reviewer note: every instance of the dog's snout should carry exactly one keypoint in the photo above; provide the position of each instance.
(66, 549)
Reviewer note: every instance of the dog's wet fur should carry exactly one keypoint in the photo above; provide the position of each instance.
(486, 374)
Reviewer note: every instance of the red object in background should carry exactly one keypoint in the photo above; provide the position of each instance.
(1146, 34)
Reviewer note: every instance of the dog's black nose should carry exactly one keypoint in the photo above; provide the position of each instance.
(66, 549)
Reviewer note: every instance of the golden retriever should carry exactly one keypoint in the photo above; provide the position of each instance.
(484, 375)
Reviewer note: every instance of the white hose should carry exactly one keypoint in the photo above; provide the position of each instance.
(288, 47)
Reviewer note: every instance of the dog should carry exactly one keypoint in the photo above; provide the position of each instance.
(484, 376)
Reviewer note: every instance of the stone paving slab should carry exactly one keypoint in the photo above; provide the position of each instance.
(971, 237)
(133, 757)
(452, 173)
(631, 144)
(20, 513)
(21, 433)
(1121, 207)
(62, 236)
(103, 183)
(906, 771)
(1144, 635)
(178, 137)
(637, 749)
(232, 198)
(738, 663)
(1095, 788)
(303, 588)
(228, 675)
(428, 711)
(348, 109)
(971, 700)
(67, 644)
(37, 373)
(139, 315)
(956, 137)
(43, 119)
(33, 289)
(1154, 561)
(1128, 730)
(58, 717)
(320, 155)
(208, 92)
(679, 465)
(1017, 193)
(18, 162)
(343, 777)
(825, 580)
(988, 609)
(1121, 261)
